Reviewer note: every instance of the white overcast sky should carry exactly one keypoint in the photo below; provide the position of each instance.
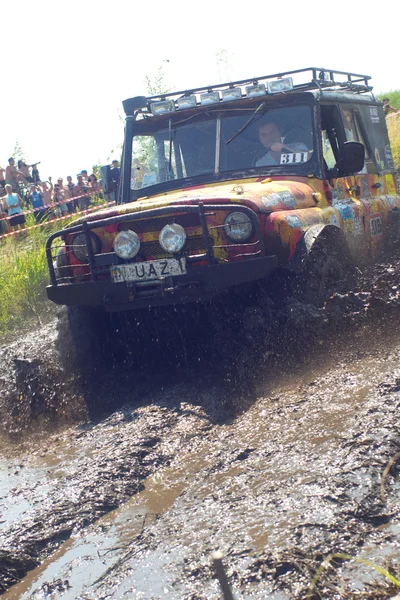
(67, 66)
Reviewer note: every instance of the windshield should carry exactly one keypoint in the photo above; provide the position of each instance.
(221, 142)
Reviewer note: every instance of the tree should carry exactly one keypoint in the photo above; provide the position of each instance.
(18, 152)
(223, 59)
(144, 152)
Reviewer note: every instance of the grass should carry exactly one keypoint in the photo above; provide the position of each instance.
(24, 277)
(393, 582)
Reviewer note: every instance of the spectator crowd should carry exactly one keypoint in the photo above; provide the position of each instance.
(22, 189)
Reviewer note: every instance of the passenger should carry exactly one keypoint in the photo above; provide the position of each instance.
(271, 138)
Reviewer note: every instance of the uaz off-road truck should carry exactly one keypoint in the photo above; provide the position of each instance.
(223, 187)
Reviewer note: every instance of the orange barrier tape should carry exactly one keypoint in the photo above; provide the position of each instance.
(69, 216)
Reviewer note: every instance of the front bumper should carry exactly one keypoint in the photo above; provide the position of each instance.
(199, 284)
(206, 275)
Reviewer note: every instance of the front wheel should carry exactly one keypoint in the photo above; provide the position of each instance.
(81, 337)
(328, 269)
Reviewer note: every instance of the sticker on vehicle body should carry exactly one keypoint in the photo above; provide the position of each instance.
(375, 223)
(288, 198)
(358, 226)
(366, 192)
(295, 157)
(373, 111)
(389, 157)
(333, 220)
(271, 200)
(293, 221)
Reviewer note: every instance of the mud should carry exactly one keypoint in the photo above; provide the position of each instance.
(275, 455)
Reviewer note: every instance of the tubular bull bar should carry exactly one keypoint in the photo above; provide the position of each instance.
(197, 284)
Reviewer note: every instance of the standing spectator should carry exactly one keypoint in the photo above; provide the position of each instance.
(13, 176)
(114, 174)
(2, 177)
(70, 186)
(35, 173)
(70, 183)
(47, 192)
(4, 227)
(95, 186)
(24, 168)
(62, 195)
(36, 199)
(13, 204)
(84, 175)
(81, 191)
(387, 108)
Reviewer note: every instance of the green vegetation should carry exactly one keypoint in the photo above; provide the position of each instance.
(24, 276)
(393, 583)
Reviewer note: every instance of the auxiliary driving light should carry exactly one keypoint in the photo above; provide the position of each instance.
(232, 93)
(162, 107)
(209, 97)
(126, 244)
(187, 102)
(172, 238)
(253, 91)
(238, 227)
(280, 85)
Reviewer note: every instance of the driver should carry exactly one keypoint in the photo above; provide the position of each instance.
(271, 138)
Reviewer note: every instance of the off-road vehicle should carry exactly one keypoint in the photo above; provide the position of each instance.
(224, 186)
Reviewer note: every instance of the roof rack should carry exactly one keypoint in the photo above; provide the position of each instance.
(311, 78)
(320, 78)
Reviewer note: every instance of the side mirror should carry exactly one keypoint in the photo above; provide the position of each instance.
(351, 159)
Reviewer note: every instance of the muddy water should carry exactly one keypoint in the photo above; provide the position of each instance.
(291, 474)
(278, 465)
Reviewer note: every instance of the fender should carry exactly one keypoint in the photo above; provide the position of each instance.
(328, 233)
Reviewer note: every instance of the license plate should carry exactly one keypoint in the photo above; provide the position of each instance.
(146, 271)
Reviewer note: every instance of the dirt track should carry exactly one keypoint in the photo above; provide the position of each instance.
(278, 464)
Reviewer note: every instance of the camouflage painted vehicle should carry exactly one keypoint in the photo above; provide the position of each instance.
(225, 186)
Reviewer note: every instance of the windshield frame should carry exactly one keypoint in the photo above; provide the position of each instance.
(153, 124)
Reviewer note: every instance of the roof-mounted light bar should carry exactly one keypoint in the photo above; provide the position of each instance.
(279, 83)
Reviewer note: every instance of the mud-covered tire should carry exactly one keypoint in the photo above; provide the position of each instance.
(81, 338)
(327, 269)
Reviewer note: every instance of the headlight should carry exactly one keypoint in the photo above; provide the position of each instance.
(238, 227)
(172, 238)
(79, 248)
(61, 263)
(127, 244)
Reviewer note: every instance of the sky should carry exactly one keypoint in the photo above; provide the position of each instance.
(67, 66)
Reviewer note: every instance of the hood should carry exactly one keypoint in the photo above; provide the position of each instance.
(261, 195)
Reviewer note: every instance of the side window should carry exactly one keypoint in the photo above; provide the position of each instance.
(327, 150)
(353, 129)
(330, 125)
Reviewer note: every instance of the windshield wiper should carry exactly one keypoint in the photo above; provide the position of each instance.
(251, 119)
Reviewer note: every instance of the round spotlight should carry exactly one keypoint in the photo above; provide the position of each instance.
(127, 244)
(238, 227)
(172, 238)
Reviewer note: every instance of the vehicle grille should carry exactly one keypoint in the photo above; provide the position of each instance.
(194, 245)
(152, 249)
(156, 224)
